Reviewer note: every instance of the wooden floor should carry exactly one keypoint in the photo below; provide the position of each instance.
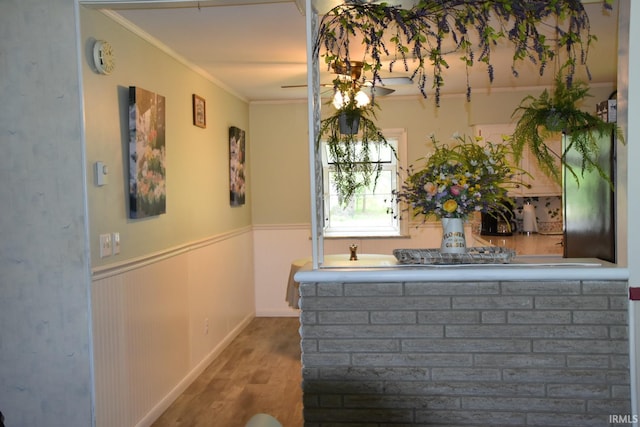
(259, 372)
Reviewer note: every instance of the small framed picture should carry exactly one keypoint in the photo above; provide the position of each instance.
(199, 111)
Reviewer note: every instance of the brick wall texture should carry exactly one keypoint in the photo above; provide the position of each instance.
(465, 354)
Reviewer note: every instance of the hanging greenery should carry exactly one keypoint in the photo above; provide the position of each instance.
(420, 40)
(423, 37)
(354, 154)
(559, 111)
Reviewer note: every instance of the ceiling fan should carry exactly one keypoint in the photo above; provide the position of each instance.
(351, 71)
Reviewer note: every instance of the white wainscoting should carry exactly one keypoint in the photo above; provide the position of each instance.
(276, 246)
(159, 321)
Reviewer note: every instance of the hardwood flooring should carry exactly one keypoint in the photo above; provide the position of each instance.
(258, 372)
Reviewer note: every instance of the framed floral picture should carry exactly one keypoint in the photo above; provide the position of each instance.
(147, 191)
(199, 111)
(236, 166)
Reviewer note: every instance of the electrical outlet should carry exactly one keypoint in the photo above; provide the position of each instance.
(105, 245)
(115, 243)
(206, 326)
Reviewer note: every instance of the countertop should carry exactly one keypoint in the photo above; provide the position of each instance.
(521, 268)
(525, 244)
(538, 257)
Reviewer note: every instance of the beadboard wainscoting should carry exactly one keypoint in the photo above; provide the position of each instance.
(160, 320)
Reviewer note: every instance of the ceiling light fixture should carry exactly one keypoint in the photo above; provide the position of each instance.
(341, 99)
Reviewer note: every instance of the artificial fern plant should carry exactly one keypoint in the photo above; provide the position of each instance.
(556, 112)
(355, 156)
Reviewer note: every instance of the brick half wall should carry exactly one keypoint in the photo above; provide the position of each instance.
(465, 354)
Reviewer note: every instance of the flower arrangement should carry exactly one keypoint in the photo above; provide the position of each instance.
(471, 176)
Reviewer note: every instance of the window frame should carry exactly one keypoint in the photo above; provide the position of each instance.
(400, 229)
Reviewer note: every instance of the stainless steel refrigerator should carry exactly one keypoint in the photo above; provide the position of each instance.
(589, 207)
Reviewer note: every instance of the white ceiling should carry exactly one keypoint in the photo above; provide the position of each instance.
(253, 47)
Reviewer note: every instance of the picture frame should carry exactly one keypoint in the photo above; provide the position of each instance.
(237, 156)
(147, 172)
(199, 111)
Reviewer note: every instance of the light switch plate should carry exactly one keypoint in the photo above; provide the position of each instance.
(115, 243)
(105, 245)
(101, 172)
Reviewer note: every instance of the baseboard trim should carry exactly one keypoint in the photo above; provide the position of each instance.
(292, 312)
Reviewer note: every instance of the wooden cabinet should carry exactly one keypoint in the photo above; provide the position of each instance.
(538, 183)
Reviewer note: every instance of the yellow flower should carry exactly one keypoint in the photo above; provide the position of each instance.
(450, 206)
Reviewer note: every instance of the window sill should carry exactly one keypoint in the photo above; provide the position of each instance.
(368, 236)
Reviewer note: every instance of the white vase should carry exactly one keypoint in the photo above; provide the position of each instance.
(453, 240)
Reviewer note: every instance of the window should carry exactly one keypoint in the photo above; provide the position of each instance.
(372, 211)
